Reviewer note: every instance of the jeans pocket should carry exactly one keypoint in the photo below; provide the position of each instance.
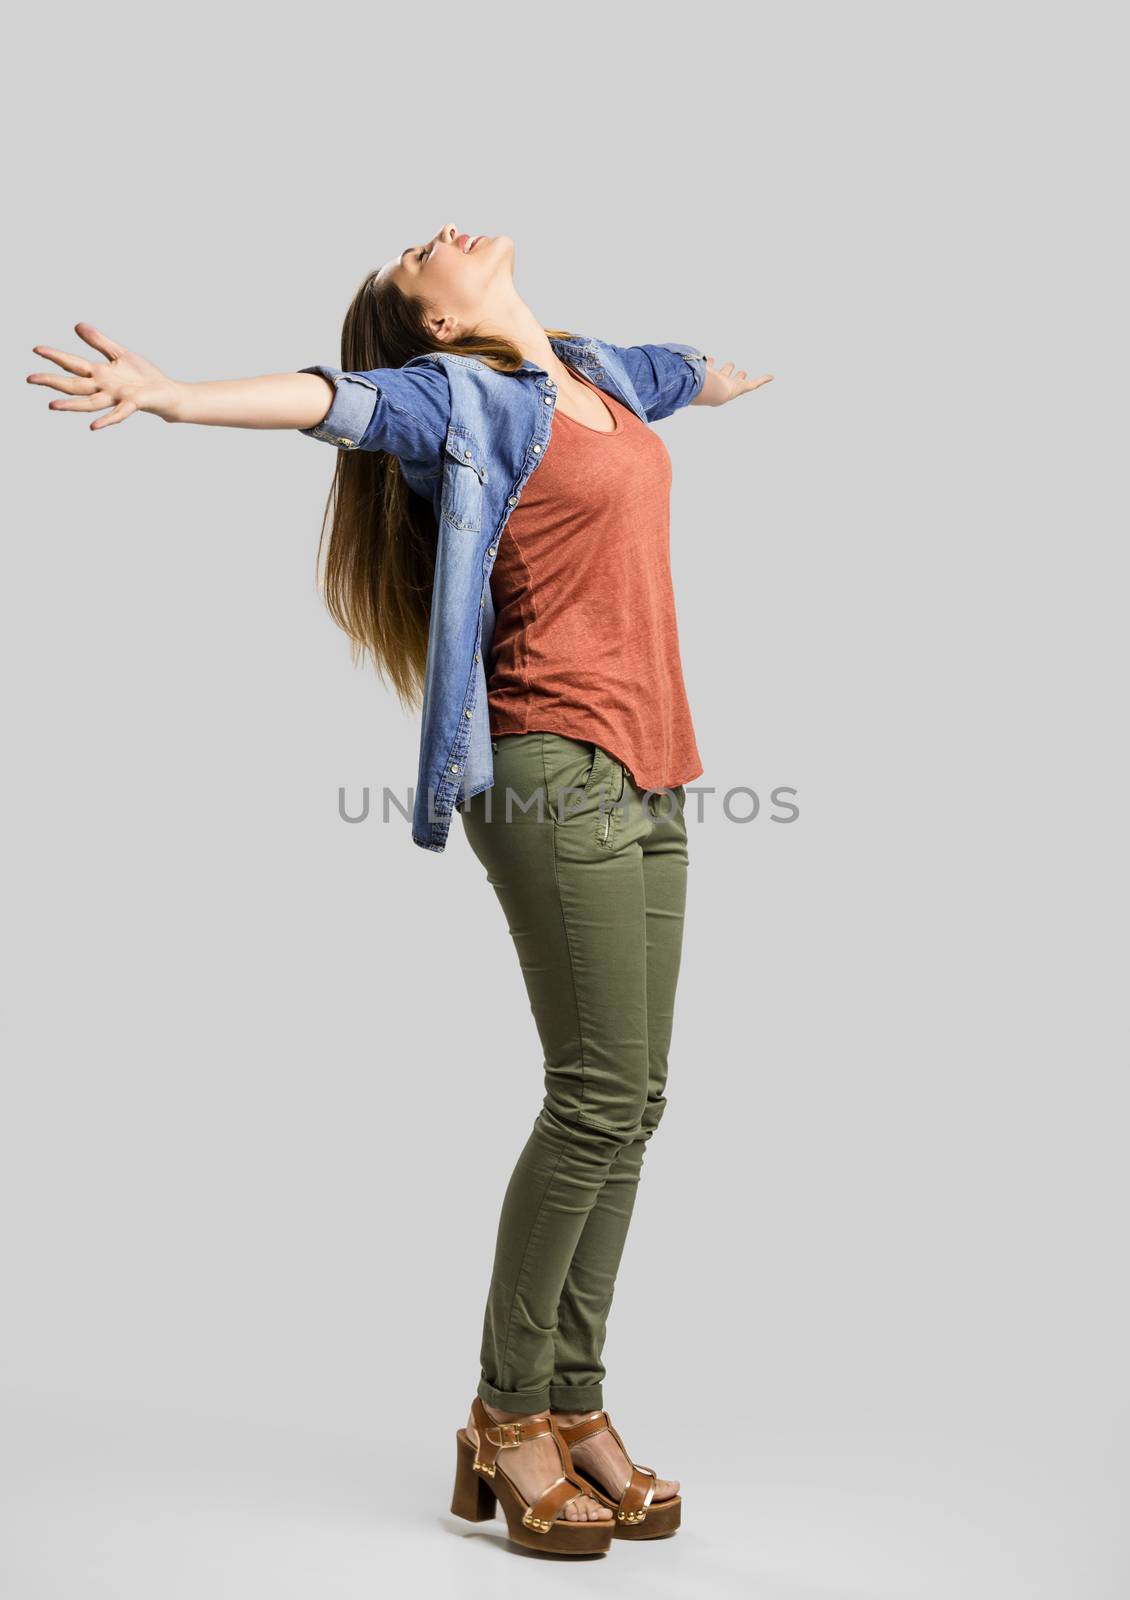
(607, 776)
(597, 771)
(606, 790)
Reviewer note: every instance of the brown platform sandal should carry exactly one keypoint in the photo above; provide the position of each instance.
(637, 1516)
(480, 1487)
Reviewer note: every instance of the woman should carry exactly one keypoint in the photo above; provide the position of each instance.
(554, 718)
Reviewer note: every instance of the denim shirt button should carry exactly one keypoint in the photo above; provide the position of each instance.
(455, 766)
(537, 449)
(467, 714)
(513, 500)
(548, 400)
(492, 550)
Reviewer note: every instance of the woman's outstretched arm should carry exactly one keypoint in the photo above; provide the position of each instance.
(122, 382)
(279, 400)
(723, 383)
(669, 376)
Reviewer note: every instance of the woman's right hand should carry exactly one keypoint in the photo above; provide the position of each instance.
(123, 381)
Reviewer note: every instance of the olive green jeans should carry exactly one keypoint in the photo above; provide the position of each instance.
(591, 874)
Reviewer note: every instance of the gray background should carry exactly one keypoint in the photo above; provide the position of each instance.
(267, 1072)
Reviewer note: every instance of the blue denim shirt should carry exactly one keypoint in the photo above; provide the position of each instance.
(468, 438)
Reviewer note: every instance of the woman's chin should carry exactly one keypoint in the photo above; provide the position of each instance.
(502, 257)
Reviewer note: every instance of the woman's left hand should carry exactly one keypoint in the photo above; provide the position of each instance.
(723, 383)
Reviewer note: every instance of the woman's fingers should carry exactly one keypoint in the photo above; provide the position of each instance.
(119, 414)
(119, 383)
(100, 341)
(65, 385)
(69, 363)
(739, 380)
(98, 401)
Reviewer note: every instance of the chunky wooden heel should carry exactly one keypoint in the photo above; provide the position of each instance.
(471, 1497)
(637, 1514)
(481, 1484)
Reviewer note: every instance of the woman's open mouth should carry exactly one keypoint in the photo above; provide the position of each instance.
(468, 241)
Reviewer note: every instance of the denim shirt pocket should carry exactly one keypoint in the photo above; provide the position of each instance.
(464, 473)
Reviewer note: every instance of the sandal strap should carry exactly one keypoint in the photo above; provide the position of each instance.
(637, 1495)
(495, 1436)
(639, 1489)
(545, 1508)
(575, 1432)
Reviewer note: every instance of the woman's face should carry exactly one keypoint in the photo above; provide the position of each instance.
(456, 282)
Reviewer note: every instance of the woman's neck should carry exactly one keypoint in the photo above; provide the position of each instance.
(518, 323)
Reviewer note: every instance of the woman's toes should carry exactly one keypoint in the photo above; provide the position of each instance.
(585, 1509)
(665, 1488)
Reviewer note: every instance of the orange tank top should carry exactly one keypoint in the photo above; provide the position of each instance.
(585, 640)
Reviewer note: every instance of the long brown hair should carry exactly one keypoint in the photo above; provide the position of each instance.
(377, 548)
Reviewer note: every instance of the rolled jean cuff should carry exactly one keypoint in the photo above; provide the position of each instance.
(508, 1400)
(576, 1397)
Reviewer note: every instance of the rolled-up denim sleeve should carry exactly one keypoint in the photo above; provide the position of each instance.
(402, 410)
(665, 376)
